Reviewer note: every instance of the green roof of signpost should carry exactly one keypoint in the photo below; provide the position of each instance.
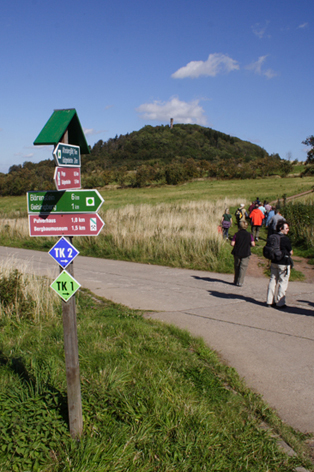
(60, 122)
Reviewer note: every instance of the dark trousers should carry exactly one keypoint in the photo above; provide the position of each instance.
(255, 231)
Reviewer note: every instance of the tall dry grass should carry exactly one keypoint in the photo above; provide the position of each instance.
(25, 295)
(175, 234)
(14, 228)
(194, 221)
(179, 234)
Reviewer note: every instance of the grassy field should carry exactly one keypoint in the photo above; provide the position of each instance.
(176, 226)
(269, 189)
(154, 398)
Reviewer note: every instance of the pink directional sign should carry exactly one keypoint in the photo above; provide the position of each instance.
(67, 178)
(68, 224)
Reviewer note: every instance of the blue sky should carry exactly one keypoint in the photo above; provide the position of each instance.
(243, 68)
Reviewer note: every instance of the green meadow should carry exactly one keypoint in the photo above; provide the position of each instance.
(168, 225)
(270, 189)
(154, 397)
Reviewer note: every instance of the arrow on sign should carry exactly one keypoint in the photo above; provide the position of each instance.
(75, 224)
(67, 155)
(65, 285)
(67, 201)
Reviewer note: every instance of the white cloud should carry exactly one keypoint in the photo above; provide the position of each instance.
(304, 25)
(23, 155)
(260, 30)
(215, 64)
(91, 131)
(181, 112)
(257, 68)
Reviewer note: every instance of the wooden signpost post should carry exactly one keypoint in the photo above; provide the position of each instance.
(56, 214)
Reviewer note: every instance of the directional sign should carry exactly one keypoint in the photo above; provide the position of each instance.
(75, 224)
(67, 178)
(67, 155)
(65, 285)
(63, 252)
(67, 201)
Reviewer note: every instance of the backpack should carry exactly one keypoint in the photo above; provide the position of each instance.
(272, 249)
(238, 215)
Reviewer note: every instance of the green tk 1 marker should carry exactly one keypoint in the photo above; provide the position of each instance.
(65, 285)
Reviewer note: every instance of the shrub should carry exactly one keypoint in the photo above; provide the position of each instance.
(13, 297)
(301, 219)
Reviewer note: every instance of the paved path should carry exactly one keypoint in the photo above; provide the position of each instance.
(273, 350)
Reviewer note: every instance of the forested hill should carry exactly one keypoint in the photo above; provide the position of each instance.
(161, 145)
(155, 156)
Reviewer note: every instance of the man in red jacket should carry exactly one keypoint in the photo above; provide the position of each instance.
(256, 217)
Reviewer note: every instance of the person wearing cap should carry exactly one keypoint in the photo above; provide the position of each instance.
(241, 214)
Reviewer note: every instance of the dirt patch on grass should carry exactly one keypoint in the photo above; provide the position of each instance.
(257, 265)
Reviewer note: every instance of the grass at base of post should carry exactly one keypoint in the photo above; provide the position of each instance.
(154, 398)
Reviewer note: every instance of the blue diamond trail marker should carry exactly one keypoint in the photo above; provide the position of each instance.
(63, 252)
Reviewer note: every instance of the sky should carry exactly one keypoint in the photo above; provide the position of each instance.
(242, 68)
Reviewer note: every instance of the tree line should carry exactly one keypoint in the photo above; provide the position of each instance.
(156, 155)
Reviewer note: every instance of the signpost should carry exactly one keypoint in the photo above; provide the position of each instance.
(66, 212)
(67, 178)
(63, 252)
(67, 155)
(67, 201)
(78, 224)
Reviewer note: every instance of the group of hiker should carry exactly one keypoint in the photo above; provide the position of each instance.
(277, 249)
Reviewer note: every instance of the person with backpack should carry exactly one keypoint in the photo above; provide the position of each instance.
(241, 214)
(226, 222)
(272, 223)
(241, 242)
(278, 249)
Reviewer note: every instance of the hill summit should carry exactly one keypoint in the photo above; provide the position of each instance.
(155, 156)
(162, 144)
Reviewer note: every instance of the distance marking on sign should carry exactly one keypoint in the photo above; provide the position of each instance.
(67, 178)
(66, 201)
(76, 224)
(67, 155)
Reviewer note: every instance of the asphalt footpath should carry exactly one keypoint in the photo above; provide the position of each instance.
(273, 350)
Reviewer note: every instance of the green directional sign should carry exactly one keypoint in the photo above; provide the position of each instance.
(65, 285)
(68, 201)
